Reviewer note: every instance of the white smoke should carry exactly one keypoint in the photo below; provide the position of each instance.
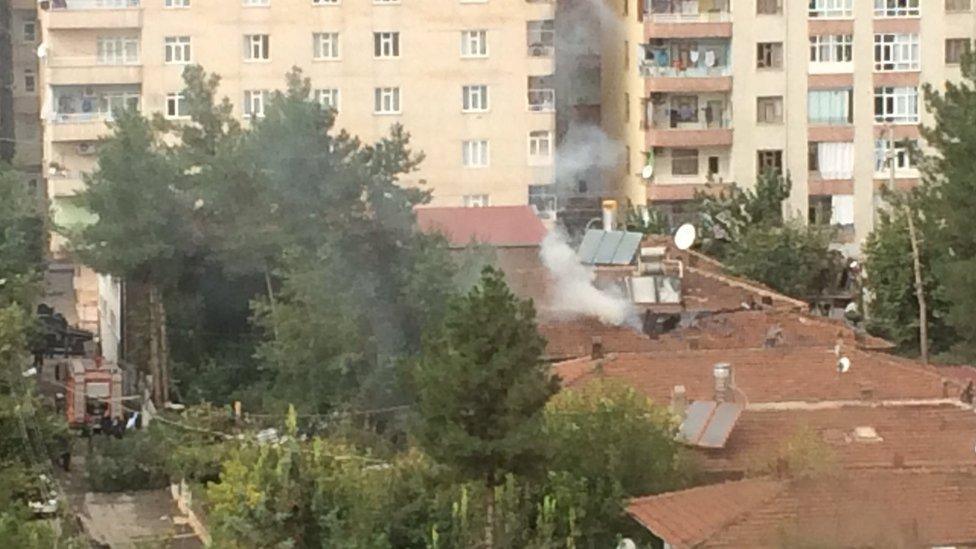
(574, 294)
(586, 150)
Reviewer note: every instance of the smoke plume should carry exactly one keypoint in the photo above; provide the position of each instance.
(584, 153)
(574, 294)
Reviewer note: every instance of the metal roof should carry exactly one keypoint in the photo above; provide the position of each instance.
(708, 424)
(609, 247)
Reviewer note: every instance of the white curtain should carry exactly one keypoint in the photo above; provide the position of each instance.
(836, 160)
(842, 209)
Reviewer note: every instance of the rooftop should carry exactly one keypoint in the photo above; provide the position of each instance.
(770, 375)
(501, 226)
(885, 508)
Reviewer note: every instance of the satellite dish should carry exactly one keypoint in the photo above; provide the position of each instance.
(42, 51)
(843, 365)
(626, 543)
(647, 172)
(685, 236)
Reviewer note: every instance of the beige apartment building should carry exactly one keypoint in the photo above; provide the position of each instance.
(24, 39)
(715, 91)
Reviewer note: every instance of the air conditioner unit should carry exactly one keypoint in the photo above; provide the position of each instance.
(85, 149)
(538, 51)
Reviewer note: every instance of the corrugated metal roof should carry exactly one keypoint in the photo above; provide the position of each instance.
(609, 247)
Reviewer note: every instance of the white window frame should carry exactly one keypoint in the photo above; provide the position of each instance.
(897, 52)
(476, 201)
(831, 9)
(328, 98)
(118, 50)
(899, 105)
(474, 98)
(903, 159)
(175, 105)
(387, 100)
(475, 153)
(540, 147)
(176, 4)
(831, 48)
(386, 45)
(177, 50)
(257, 48)
(107, 102)
(255, 103)
(326, 46)
(474, 44)
(256, 3)
(893, 8)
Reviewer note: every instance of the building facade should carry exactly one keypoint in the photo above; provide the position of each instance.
(470, 80)
(23, 128)
(716, 91)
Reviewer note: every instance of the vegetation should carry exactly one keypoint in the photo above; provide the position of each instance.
(746, 229)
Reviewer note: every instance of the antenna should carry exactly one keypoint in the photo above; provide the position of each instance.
(685, 236)
(648, 171)
(843, 365)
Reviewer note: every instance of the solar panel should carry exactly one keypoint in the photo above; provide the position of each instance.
(627, 248)
(589, 246)
(696, 418)
(720, 427)
(608, 247)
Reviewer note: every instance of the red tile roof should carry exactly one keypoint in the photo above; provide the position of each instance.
(919, 436)
(807, 374)
(889, 508)
(494, 225)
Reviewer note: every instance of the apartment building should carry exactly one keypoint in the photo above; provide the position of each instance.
(471, 80)
(716, 91)
(22, 128)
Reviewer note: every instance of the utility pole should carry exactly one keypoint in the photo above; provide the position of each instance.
(923, 329)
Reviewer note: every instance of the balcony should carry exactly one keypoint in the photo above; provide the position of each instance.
(686, 65)
(77, 126)
(91, 70)
(94, 14)
(688, 121)
(688, 19)
(542, 94)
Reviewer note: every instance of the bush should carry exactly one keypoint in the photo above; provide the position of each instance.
(136, 462)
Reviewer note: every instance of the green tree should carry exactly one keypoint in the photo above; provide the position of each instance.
(481, 389)
(728, 214)
(21, 240)
(143, 231)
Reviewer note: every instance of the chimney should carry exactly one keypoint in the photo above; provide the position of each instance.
(723, 382)
(609, 215)
(679, 401)
(596, 348)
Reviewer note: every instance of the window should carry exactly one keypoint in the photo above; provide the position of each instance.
(112, 102)
(474, 43)
(118, 50)
(386, 44)
(958, 5)
(769, 110)
(176, 106)
(328, 98)
(540, 146)
(832, 160)
(176, 3)
(831, 107)
(902, 154)
(713, 163)
(29, 31)
(325, 2)
(541, 37)
(257, 47)
(254, 102)
(831, 48)
(325, 45)
(177, 50)
(257, 2)
(770, 55)
(542, 93)
(626, 107)
(474, 154)
(386, 100)
(896, 8)
(955, 48)
(831, 8)
(543, 198)
(684, 161)
(474, 98)
(896, 52)
(684, 109)
(30, 81)
(769, 161)
(769, 7)
(475, 201)
(896, 105)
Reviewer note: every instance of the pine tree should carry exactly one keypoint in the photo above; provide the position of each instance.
(481, 388)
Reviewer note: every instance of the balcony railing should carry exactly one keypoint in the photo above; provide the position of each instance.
(56, 61)
(715, 121)
(94, 4)
(679, 17)
(651, 69)
(542, 100)
(78, 117)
